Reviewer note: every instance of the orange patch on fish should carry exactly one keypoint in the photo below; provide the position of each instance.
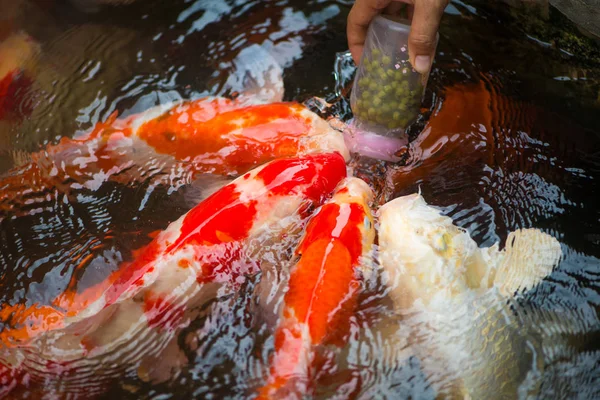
(347, 218)
(22, 322)
(238, 138)
(154, 234)
(319, 284)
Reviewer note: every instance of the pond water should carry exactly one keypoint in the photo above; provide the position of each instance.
(509, 138)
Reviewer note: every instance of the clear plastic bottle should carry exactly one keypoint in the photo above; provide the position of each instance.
(387, 92)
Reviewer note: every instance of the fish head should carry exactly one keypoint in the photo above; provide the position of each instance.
(421, 250)
(356, 191)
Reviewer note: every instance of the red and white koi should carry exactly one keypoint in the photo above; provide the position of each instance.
(323, 286)
(218, 241)
(209, 135)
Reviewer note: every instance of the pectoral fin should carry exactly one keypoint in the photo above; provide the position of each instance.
(529, 256)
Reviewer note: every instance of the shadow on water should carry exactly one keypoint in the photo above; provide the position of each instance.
(509, 138)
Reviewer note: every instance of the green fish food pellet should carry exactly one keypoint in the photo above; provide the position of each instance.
(387, 94)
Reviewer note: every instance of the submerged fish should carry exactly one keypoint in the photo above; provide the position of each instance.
(209, 135)
(213, 135)
(217, 242)
(322, 288)
(455, 298)
(16, 53)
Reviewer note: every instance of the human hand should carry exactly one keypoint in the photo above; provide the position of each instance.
(425, 15)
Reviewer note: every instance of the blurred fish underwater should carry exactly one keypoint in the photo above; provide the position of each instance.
(104, 107)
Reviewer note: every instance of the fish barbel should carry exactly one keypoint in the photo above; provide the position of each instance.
(215, 242)
(455, 298)
(322, 288)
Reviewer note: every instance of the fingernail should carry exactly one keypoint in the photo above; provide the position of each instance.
(422, 64)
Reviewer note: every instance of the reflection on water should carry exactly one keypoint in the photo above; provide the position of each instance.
(508, 139)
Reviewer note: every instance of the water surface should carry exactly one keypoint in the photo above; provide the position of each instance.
(513, 141)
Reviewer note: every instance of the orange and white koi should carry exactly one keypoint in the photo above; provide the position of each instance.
(209, 135)
(323, 286)
(218, 241)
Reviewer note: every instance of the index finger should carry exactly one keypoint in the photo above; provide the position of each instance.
(359, 18)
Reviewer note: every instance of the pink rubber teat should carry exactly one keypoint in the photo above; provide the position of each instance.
(372, 145)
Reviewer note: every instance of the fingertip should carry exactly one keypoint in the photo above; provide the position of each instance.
(423, 37)
(422, 64)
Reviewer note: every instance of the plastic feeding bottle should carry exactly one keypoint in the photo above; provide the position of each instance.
(387, 92)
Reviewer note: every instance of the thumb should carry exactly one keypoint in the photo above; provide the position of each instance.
(423, 33)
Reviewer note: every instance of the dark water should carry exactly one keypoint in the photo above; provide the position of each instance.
(525, 152)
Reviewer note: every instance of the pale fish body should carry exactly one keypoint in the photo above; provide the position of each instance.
(454, 297)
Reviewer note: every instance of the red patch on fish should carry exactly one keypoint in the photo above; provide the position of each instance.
(12, 88)
(8, 379)
(222, 217)
(161, 313)
(283, 176)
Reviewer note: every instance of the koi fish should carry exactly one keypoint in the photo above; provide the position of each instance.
(209, 135)
(16, 51)
(323, 286)
(455, 297)
(217, 242)
(240, 134)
